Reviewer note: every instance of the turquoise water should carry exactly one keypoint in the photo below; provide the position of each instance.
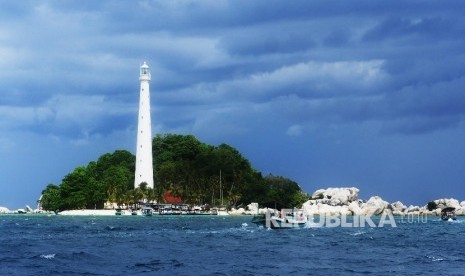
(216, 245)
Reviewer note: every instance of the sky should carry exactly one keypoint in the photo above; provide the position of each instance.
(366, 94)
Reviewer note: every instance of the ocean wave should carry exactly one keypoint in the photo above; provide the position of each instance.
(358, 233)
(120, 228)
(232, 245)
(435, 259)
(156, 265)
(47, 256)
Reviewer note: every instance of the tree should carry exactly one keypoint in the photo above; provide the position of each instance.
(51, 198)
(432, 206)
(74, 188)
(283, 192)
(185, 167)
(116, 180)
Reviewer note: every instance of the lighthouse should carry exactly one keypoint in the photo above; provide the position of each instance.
(144, 165)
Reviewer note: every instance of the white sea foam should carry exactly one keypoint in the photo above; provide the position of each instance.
(358, 233)
(311, 224)
(47, 256)
(435, 259)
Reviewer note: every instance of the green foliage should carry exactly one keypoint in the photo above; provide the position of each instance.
(191, 169)
(91, 186)
(298, 199)
(184, 166)
(282, 192)
(51, 198)
(432, 206)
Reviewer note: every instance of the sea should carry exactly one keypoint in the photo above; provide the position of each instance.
(225, 245)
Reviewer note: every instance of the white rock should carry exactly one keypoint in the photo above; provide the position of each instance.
(344, 195)
(337, 196)
(398, 206)
(235, 211)
(310, 208)
(460, 211)
(319, 192)
(412, 208)
(253, 208)
(453, 203)
(424, 210)
(324, 209)
(355, 208)
(374, 206)
(448, 202)
(397, 213)
(4, 210)
(262, 211)
(311, 202)
(345, 210)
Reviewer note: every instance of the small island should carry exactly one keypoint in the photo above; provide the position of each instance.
(185, 170)
(193, 174)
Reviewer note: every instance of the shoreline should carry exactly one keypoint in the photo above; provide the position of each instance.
(109, 213)
(331, 201)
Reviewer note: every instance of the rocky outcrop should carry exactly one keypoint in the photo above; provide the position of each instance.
(448, 202)
(253, 208)
(397, 208)
(331, 201)
(4, 210)
(342, 201)
(374, 206)
(354, 207)
(240, 211)
(339, 201)
(325, 209)
(336, 196)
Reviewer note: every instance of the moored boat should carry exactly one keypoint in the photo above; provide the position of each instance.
(147, 211)
(448, 214)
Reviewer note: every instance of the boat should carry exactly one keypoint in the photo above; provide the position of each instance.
(286, 220)
(259, 220)
(147, 211)
(448, 214)
(122, 212)
(287, 223)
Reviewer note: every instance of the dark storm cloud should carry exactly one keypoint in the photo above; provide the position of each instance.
(262, 41)
(415, 28)
(245, 51)
(318, 82)
(337, 38)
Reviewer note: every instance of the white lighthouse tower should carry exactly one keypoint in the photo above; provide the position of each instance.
(144, 166)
